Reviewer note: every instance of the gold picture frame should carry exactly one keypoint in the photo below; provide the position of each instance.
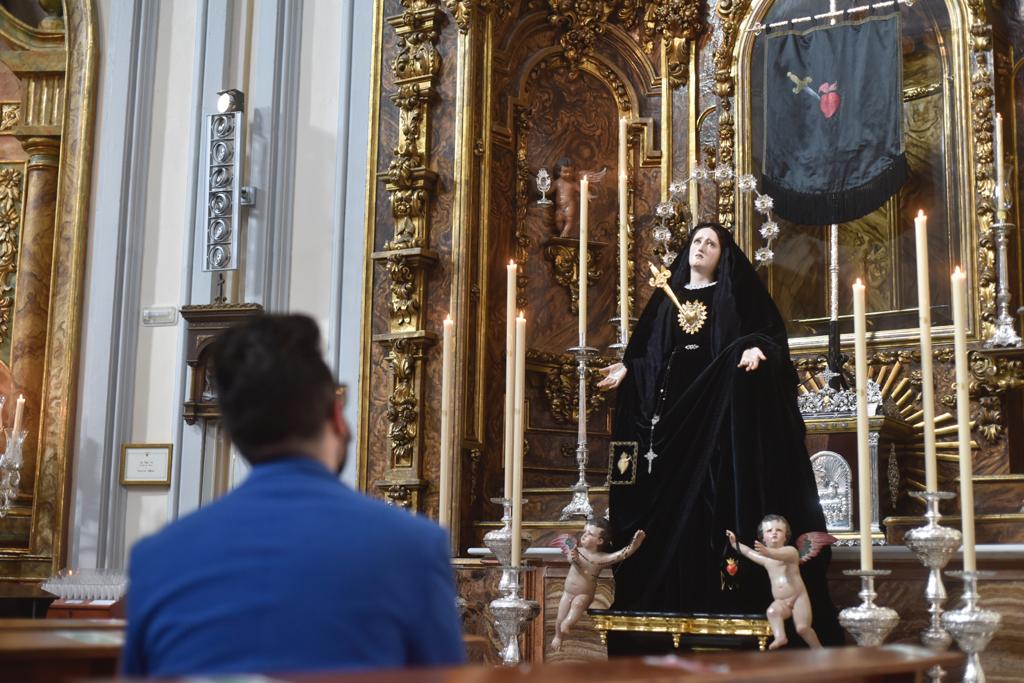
(146, 464)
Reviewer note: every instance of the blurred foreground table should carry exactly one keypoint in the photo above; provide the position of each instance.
(54, 650)
(846, 665)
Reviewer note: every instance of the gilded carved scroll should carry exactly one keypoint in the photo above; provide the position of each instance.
(678, 22)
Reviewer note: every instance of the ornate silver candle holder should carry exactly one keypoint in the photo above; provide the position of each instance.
(971, 626)
(499, 542)
(934, 545)
(868, 623)
(618, 348)
(1003, 334)
(579, 506)
(10, 468)
(543, 186)
(511, 614)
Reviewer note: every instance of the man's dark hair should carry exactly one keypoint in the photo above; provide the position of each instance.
(273, 387)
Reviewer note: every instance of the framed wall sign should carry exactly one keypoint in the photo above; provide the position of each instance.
(146, 464)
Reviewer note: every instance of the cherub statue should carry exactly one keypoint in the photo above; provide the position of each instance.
(567, 195)
(586, 561)
(783, 564)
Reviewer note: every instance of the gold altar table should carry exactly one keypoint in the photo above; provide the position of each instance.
(681, 624)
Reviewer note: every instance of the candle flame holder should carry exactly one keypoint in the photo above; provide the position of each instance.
(971, 626)
(579, 506)
(868, 623)
(10, 468)
(1004, 335)
(499, 542)
(512, 614)
(934, 544)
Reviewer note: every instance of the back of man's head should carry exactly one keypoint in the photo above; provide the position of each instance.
(275, 392)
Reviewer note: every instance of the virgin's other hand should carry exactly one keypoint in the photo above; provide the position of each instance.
(751, 359)
(613, 376)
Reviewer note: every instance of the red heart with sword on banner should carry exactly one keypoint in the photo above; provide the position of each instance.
(827, 95)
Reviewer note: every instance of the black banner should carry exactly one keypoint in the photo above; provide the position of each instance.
(833, 114)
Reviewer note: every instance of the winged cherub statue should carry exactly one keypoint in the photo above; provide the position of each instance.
(567, 194)
(783, 564)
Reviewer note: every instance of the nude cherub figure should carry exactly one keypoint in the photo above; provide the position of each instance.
(783, 564)
(567, 195)
(585, 564)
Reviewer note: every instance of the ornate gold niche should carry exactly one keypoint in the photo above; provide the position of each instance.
(52, 119)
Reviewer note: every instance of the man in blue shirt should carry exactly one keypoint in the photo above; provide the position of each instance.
(291, 571)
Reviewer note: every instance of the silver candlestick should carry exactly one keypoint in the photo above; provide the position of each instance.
(499, 542)
(934, 545)
(618, 348)
(971, 626)
(511, 614)
(868, 623)
(1004, 334)
(579, 507)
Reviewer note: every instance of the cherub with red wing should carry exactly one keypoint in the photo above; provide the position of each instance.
(783, 565)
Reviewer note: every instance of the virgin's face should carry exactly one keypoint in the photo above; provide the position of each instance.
(705, 250)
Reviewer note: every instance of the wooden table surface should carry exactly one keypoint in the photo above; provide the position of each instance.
(834, 665)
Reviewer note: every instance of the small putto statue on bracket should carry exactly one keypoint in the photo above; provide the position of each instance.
(586, 560)
(783, 564)
(567, 194)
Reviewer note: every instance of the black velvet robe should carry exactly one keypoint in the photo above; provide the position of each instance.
(730, 447)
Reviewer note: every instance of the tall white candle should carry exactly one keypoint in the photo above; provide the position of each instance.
(19, 415)
(584, 218)
(517, 465)
(623, 263)
(623, 145)
(924, 315)
(510, 371)
(997, 154)
(444, 510)
(864, 502)
(958, 286)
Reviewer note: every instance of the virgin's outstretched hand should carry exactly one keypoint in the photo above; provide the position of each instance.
(751, 359)
(613, 376)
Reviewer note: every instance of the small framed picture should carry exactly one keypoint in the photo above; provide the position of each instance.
(146, 464)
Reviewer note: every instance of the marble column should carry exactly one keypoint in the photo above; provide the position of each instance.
(32, 291)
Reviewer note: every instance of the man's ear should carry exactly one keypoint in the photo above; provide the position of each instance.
(337, 416)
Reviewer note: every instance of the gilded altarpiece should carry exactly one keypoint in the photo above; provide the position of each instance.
(46, 119)
(473, 97)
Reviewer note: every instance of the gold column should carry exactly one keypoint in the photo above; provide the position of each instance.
(406, 258)
(32, 289)
(41, 75)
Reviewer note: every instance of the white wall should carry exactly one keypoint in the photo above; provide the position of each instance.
(316, 148)
(164, 225)
(160, 66)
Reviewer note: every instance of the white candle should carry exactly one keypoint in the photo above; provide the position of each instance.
(924, 315)
(863, 451)
(958, 286)
(997, 154)
(517, 465)
(623, 263)
(19, 415)
(510, 371)
(584, 217)
(444, 509)
(623, 145)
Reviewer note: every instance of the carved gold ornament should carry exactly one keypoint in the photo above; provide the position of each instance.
(692, 315)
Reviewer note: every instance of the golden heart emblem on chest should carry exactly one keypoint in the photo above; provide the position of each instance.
(692, 315)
